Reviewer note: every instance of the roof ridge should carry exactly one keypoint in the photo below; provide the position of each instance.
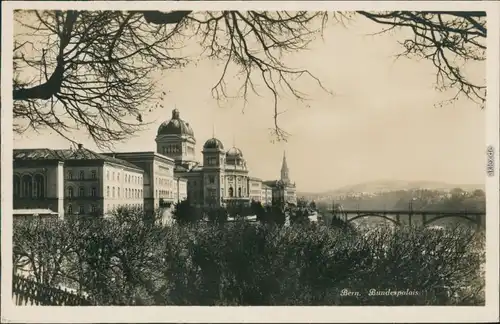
(71, 155)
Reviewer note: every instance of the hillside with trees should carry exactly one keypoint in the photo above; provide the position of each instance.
(420, 199)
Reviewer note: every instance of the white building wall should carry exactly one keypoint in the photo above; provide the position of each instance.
(123, 186)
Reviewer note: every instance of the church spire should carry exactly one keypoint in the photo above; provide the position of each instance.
(284, 170)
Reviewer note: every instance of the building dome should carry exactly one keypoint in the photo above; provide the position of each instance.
(234, 152)
(213, 143)
(175, 126)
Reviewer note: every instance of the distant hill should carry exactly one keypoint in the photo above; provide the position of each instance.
(391, 185)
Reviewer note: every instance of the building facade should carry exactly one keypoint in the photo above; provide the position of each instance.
(222, 178)
(80, 181)
(74, 181)
(284, 191)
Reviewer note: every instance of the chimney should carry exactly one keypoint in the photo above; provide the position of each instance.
(80, 146)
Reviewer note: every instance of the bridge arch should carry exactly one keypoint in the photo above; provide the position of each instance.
(470, 219)
(395, 221)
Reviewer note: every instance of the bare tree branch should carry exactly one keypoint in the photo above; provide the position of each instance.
(93, 70)
(450, 40)
(96, 82)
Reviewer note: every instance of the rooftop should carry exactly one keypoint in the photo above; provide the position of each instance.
(80, 154)
(139, 155)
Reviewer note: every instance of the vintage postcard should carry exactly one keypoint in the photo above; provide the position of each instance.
(240, 158)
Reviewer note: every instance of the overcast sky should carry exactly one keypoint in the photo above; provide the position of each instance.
(381, 123)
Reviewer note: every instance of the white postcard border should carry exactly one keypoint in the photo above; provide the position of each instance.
(177, 314)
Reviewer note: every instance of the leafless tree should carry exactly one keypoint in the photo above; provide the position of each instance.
(92, 69)
(450, 40)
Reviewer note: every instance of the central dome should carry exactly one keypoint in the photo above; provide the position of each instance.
(234, 152)
(175, 126)
(213, 143)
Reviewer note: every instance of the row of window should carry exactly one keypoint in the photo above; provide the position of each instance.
(173, 148)
(162, 182)
(81, 209)
(81, 175)
(128, 177)
(127, 193)
(81, 192)
(164, 194)
(211, 192)
(112, 206)
(29, 186)
(231, 179)
(231, 192)
(93, 208)
(212, 160)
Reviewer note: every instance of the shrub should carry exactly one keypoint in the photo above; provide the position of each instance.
(217, 215)
(185, 213)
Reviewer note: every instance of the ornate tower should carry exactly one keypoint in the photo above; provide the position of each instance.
(213, 171)
(285, 177)
(175, 139)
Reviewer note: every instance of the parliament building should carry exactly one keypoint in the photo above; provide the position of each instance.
(80, 181)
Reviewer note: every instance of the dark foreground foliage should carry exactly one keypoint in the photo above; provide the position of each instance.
(132, 261)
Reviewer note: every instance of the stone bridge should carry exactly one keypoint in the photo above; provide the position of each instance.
(412, 217)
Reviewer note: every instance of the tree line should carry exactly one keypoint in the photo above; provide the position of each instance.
(185, 213)
(130, 260)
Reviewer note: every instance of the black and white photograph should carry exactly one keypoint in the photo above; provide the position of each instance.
(228, 154)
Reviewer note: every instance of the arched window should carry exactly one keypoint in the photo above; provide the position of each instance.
(27, 186)
(113, 192)
(239, 192)
(81, 192)
(16, 186)
(231, 192)
(81, 175)
(39, 186)
(70, 192)
(107, 191)
(70, 209)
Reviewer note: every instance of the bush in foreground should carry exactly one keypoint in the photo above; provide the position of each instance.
(135, 262)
